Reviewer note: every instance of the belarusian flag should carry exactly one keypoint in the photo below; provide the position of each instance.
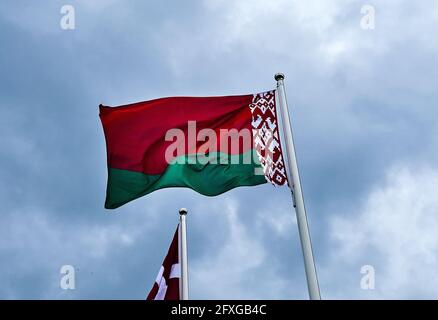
(208, 144)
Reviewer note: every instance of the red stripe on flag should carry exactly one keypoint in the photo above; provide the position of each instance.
(135, 133)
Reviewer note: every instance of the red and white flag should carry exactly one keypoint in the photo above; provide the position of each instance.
(166, 286)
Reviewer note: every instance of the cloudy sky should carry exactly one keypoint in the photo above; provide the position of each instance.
(364, 107)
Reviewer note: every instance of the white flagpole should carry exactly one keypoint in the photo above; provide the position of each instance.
(182, 253)
(303, 228)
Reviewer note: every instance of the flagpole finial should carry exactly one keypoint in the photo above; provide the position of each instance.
(279, 76)
(183, 211)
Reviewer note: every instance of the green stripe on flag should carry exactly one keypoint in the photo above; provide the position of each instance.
(209, 175)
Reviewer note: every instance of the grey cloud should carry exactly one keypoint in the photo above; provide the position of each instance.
(361, 102)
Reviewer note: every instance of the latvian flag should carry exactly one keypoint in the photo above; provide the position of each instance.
(166, 286)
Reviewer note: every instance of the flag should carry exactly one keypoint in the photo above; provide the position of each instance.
(166, 286)
(208, 144)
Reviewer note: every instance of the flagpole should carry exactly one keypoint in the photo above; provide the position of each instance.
(297, 195)
(182, 253)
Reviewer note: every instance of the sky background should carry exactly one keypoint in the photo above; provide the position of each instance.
(364, 108)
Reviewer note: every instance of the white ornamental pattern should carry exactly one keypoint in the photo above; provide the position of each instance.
(266, 137)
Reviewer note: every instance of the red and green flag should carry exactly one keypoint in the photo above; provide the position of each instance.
(208, 144)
